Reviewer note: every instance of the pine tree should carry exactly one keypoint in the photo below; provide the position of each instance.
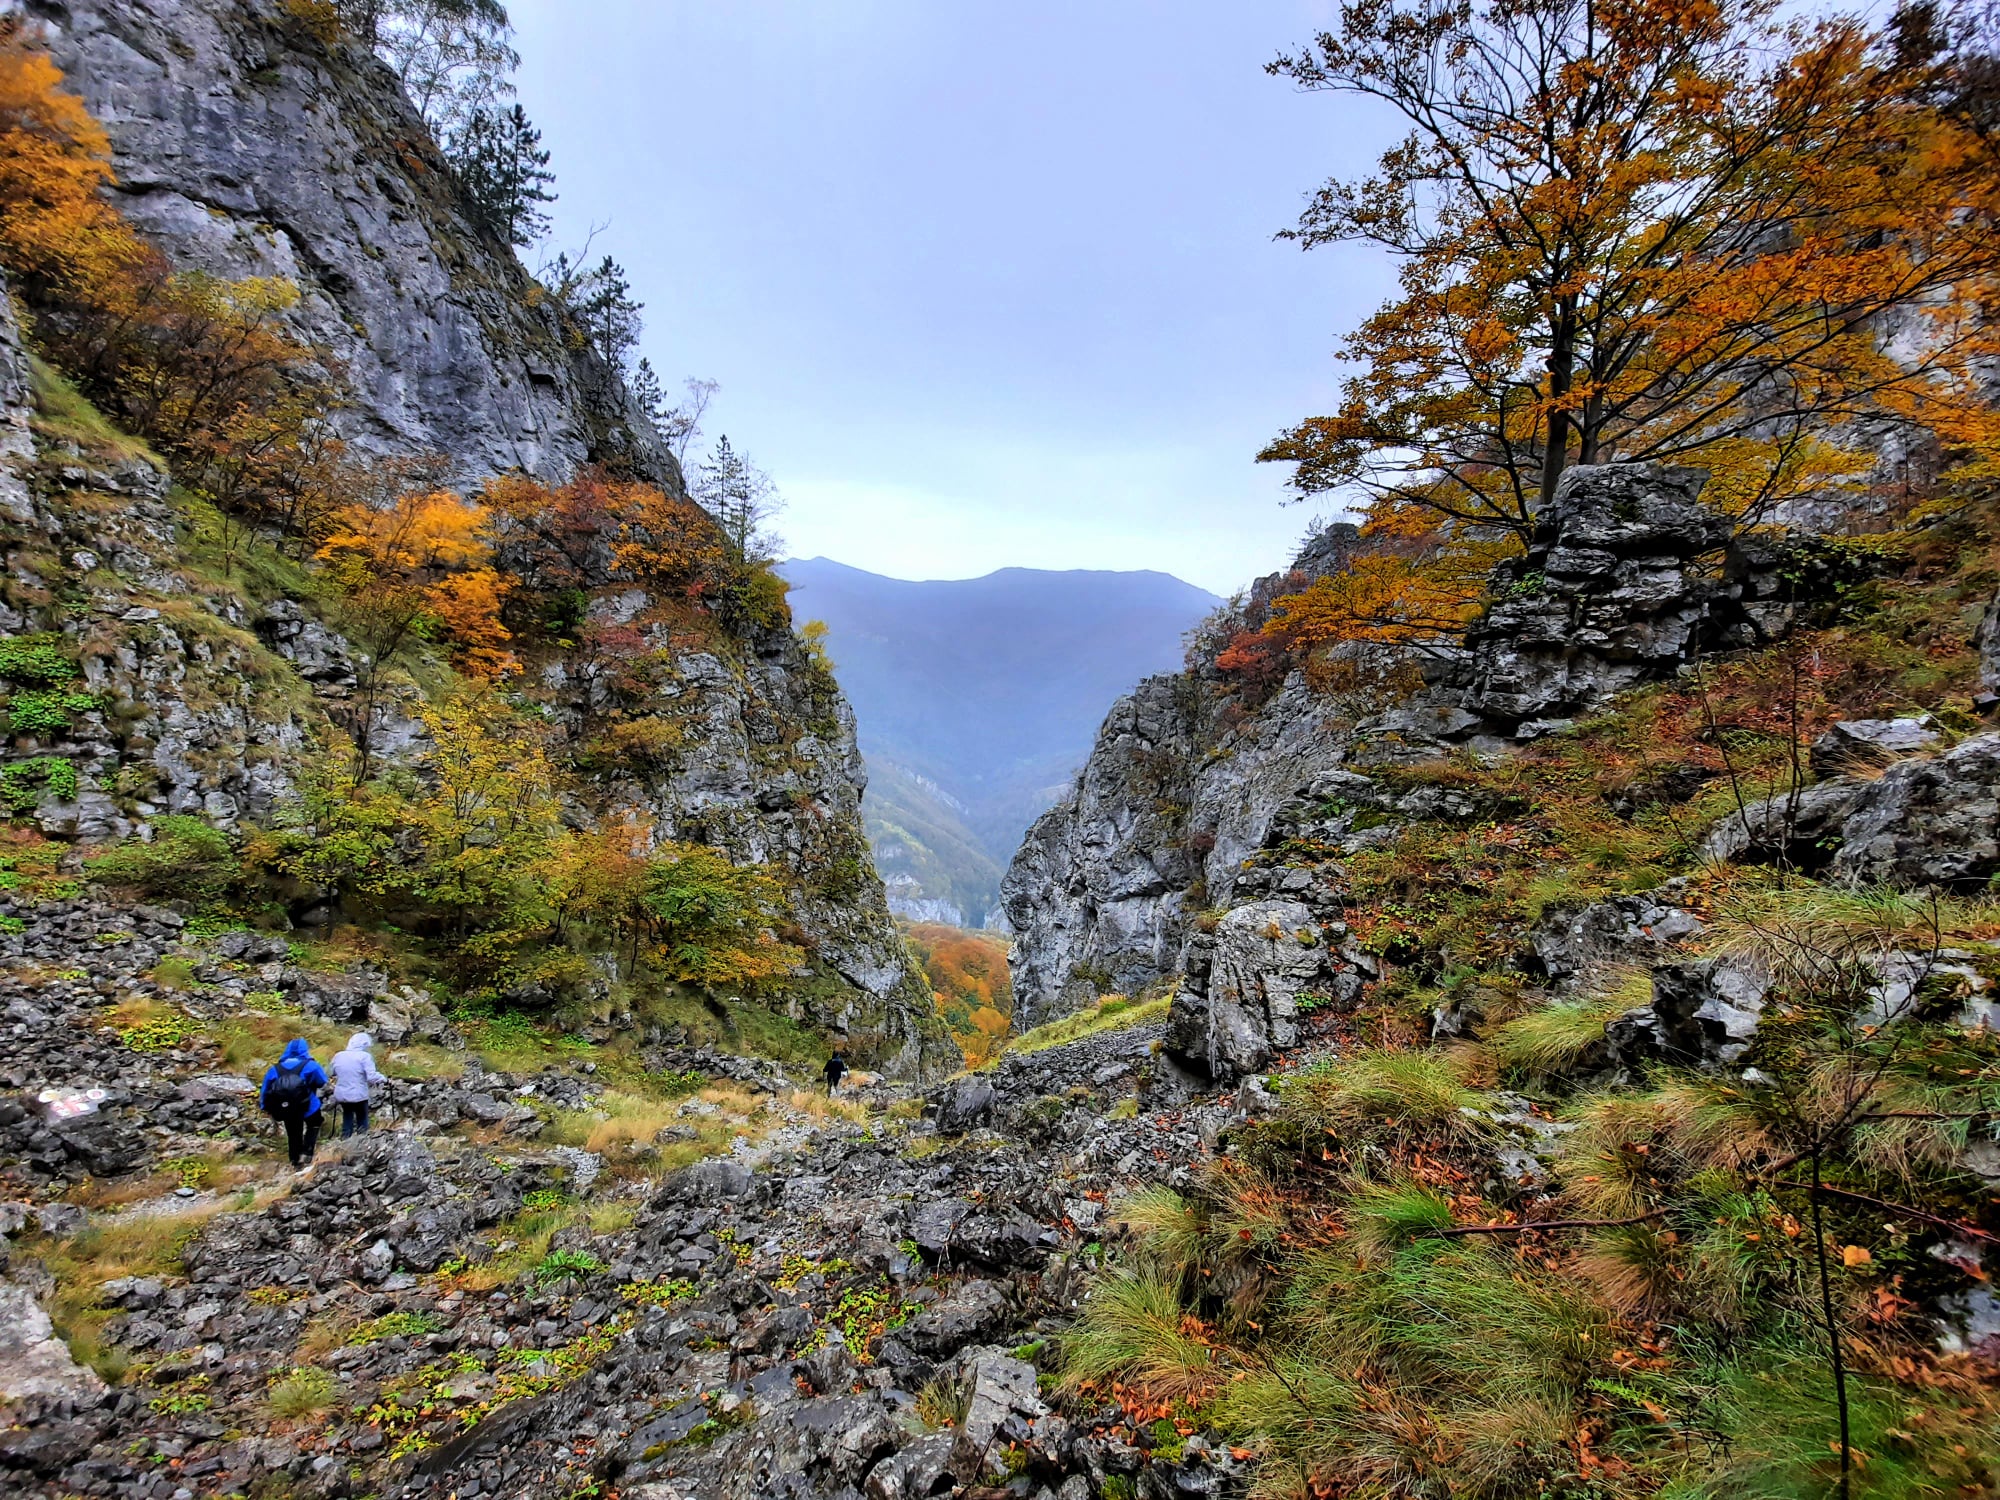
(503, 171)
(601, 301)
(742, 499)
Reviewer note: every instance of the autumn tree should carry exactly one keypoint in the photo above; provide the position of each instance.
(596, 531)
(710, 920)
(1625, 234)
(59, 237)
(419, 569)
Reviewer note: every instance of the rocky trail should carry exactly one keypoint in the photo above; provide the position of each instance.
(848, 1297)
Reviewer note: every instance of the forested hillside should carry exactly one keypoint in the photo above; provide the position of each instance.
(976, 700)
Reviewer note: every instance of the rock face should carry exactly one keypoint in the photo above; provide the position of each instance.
(1926, 823)
(1188, 792)
(247, 146)
(1608, 600)
(1097, 889)
(1240, 1001)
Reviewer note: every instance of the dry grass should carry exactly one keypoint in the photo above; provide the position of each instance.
(821, 1108)
(624, 1128)
(304, 1392)
(110, 1248)
(1558, 1036)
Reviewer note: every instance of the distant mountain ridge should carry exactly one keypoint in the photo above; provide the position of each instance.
(978, 699)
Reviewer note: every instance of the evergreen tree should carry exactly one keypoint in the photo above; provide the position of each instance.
(742, 499)
(503, 171)
(602, 303)
(646, 392)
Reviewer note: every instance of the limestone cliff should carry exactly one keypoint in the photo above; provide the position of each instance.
(247, 144)
(1134, 878)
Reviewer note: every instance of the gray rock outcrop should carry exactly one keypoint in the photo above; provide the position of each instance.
(17, 442)
(246, 144)
(248, 147)
(1239, 1002)
(1607, 600)
(1703, 1013)
(1856, 744)
(1926, 823)
(34, 1362)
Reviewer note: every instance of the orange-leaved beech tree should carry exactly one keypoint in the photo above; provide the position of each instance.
(58, 234)
(1641, 229)
(596, 530)
(417, 569)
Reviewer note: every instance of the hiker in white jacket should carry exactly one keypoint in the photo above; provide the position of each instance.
(354, 1077)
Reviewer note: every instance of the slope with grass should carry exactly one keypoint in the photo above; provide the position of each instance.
(273, 705)
(1752, 1119)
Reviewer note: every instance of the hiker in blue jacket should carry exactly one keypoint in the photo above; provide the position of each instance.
(291, 1097)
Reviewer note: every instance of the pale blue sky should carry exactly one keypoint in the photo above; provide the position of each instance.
(984, 284)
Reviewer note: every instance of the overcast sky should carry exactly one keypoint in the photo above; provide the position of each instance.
(984, 284)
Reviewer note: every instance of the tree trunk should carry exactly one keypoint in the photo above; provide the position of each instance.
(1555, 452)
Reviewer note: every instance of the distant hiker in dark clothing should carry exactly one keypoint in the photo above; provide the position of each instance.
(354, 1078)
(836, 1069)
(291, 1097)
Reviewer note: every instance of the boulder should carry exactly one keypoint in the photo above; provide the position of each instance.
(1235, 1013)
(971, 1311)
(1926, 823)
(1000, 1404)
(1702, 1013)
(1855, 744)
(966, 1104)
(912, 1474)
(1624, 929)
(33, 1361)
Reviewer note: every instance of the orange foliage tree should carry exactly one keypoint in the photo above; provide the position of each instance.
(597, 531)
(419, 569)
(1625, 235)
(58, 235)
(970, 985)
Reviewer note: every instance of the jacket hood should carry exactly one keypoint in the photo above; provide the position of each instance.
(361, 1041)
(298, 1052)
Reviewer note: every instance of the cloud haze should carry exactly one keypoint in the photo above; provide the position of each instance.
(984, 285)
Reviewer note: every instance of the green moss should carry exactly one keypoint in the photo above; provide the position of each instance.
(1112, 1013)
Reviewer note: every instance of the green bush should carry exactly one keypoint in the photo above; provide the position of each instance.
(186, 859)
(26, 782)
(46, 710)
(37, 660)
(558, 1264)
